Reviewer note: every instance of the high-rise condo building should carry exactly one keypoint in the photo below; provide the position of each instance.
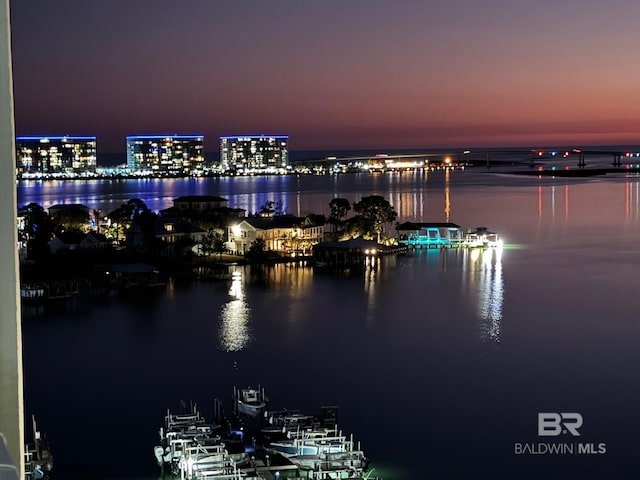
(242, 153)
(53, 155)
(173, 154)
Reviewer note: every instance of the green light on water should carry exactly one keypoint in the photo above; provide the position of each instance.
(514, 246)
(387, 472)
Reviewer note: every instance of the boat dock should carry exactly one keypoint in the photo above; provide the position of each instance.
(352, 253)
(257, 444)
(445, 235)
(38, 459)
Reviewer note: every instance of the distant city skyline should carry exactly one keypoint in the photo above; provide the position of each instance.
(333, 75)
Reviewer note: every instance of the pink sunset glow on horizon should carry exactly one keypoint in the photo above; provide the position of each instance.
(331, 74)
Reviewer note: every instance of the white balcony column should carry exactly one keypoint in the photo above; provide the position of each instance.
(11, 400)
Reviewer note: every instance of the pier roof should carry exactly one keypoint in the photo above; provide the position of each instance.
(280, 221)
(353, 243)
(421, 225)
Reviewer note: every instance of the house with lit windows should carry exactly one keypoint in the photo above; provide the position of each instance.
(174, 233)
(284, 234)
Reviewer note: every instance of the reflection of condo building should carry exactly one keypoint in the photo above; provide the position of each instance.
(54, 155)
(243, 153)
(172, 154)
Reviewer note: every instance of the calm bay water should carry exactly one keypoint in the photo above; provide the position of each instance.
(440, 360)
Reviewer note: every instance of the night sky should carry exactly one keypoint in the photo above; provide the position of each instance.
(333, 74)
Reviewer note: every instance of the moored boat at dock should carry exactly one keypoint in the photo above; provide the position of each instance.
(192, 448)
(250, 401)
(38, 460)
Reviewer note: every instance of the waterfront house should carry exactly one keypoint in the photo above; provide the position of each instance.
(433, 234)
(173, 229)
(205, 204)
(172, 232)
(75, 240)
(204, 211)
(199, 202)
(285, 234)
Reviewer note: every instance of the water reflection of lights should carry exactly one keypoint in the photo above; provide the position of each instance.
(236, 285)
(632, 199)
(447, 196)
(234, 318)
(552, 203)
(372, 267)
(486, 274)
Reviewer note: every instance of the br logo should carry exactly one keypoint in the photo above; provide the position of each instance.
(553, 424)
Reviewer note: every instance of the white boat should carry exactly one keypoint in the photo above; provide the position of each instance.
(208, 459)
(249, 401)
(483, 238)
(191, 449)
(320, 449)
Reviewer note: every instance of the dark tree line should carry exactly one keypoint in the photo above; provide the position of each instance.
(373, 212)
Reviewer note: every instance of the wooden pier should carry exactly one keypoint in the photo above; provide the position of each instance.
(352, 253)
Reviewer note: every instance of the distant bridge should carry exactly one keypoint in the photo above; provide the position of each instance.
(479, 155)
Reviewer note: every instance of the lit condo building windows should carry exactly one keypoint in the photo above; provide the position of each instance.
(172, 154)
(252, 153)
(40, 155)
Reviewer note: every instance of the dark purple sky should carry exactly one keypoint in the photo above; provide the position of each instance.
(332, 74)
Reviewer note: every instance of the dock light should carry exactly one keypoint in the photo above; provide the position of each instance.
(373, 251)
(366, 252)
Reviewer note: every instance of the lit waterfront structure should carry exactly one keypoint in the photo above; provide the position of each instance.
(171, 154)
(254, 153)
(51, 155)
